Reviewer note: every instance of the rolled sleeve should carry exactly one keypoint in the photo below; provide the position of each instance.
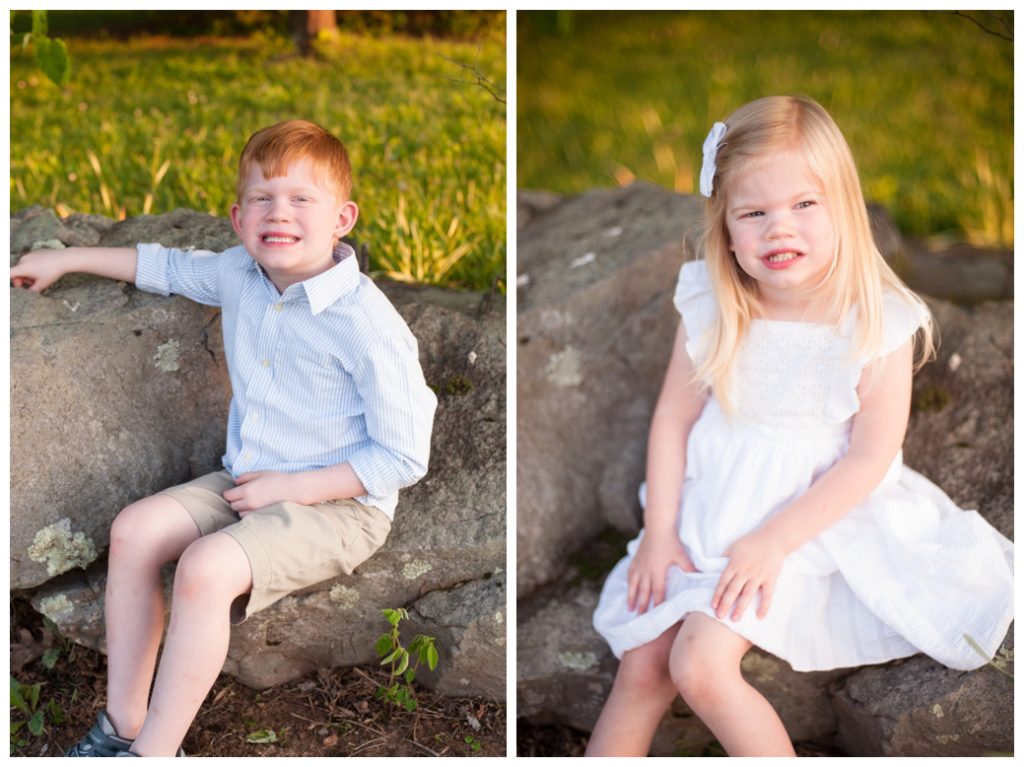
(194, 274)
(399, 417)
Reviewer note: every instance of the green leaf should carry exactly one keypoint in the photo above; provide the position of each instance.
(35, 724)
(392, 656)
(432, 657)
(15, 726)
(410, 674)
(410, 704)
(50, 657)
(383, 646)
(265, 735)
(17, 699)
(33, 692)
(403, 664)
(392, 616)
(52, 57)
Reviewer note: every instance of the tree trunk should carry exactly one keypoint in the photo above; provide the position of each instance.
(305, 25)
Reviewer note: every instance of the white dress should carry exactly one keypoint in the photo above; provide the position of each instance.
(905, 571)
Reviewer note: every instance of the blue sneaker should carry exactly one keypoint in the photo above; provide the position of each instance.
(101, 740)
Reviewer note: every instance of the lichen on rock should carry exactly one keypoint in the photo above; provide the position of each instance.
(56, 607)
(415, 569)
(60, 549)
(343, 596)
(166, 357)
(578, 661)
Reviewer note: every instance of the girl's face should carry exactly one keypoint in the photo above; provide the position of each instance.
(780, 229)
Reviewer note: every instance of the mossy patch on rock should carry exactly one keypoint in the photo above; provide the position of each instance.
(932, 398)
(457, 386)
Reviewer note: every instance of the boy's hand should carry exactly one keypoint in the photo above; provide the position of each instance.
(649, 569)
(39, 269)
(259, 489)
(755, 561)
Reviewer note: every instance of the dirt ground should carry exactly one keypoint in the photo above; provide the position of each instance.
(329, 713)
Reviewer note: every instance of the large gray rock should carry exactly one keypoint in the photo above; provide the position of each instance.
(594, 327)
(920, 708)
(593, 338)
(108, 398)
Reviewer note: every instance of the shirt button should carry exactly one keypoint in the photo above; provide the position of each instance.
(255, 417)
(265, 363)
(278, 307)
(248, 455)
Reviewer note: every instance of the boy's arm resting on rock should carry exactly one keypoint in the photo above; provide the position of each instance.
(194, 274)
(399, 416)
(39, 269)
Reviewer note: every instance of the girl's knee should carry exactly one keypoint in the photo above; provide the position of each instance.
(700, 672)
(645, 674)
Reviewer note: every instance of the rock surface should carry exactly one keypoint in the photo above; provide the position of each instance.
(595, 323)
(101, 416)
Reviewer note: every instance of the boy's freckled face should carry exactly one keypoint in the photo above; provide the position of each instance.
(289, 223)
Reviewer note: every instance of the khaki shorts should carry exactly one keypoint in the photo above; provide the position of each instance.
(289, 546)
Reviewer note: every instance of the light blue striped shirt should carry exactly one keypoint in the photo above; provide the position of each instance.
(324, 373)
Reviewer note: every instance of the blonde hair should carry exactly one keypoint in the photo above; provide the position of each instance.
(276, 147)
(859, 274)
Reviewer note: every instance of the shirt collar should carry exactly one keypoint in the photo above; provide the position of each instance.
(341, 279)
(327, 287)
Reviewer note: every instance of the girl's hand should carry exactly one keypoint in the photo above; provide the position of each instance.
(258, 489)
(755, 561)
(649, 569)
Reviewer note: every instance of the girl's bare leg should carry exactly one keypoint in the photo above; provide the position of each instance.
(642, 691)
(211, 574)
(144, 537)
(705, 665)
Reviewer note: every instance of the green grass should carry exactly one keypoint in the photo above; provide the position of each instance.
(925, 101)
(428, 153)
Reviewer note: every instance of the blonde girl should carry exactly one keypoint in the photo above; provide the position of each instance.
(777, 509)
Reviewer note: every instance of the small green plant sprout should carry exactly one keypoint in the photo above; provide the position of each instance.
(51, 54)
(404, 661)
(1001, 660)
(25, 701)
(473, 743)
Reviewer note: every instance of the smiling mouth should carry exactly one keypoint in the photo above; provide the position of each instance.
(279, 239)
(781, 257)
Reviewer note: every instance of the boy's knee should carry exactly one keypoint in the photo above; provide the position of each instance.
(204, 572)
(130, 530)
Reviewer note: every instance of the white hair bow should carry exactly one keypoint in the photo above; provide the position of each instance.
(711, 144)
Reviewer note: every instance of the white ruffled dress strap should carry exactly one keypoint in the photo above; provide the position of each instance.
(902, 317)
(695, 301)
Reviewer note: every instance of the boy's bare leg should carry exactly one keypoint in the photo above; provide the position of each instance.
(145, 536)
(705, 664)
(642, 691)
(211, 574)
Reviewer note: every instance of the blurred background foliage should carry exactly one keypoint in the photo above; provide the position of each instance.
(160, 103)
(925, 100)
